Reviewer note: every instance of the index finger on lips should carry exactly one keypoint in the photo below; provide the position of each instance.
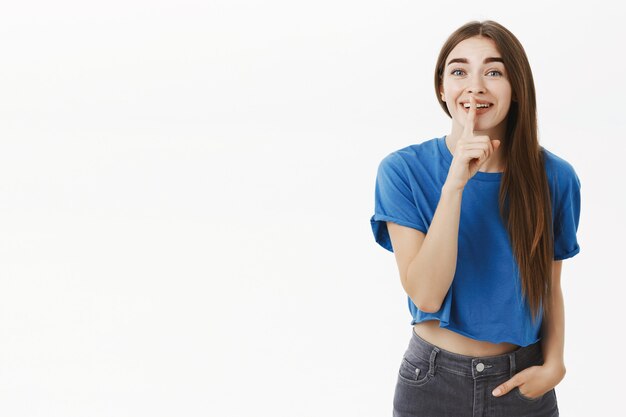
(471, 117)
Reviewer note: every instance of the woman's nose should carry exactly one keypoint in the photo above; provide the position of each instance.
(475, 90)
(475, 85)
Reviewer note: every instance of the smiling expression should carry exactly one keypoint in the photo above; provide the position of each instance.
(475, 66)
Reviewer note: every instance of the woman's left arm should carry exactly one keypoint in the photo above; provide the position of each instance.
(553, 328)
(537, 380)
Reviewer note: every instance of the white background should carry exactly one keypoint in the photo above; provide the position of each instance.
(186, 188)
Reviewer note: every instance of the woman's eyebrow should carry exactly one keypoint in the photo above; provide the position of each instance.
(486, 61)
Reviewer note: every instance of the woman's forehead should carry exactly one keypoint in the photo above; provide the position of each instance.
(474, 48)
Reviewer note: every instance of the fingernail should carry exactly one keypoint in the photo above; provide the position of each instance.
(496, 391)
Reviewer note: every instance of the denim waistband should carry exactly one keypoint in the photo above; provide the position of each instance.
(475, 366)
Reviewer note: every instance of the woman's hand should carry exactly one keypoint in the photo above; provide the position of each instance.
(470, 152)
(533, 381)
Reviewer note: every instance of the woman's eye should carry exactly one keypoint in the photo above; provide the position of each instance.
(457, 71)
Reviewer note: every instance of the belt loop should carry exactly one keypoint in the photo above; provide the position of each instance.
(512, 362)
(433, 355)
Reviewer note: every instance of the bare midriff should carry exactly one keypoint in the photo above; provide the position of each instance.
(455, 342)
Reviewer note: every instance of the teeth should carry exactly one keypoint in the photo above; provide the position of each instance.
(478, 106)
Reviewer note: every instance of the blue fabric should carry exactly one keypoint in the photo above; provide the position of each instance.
(484, 301)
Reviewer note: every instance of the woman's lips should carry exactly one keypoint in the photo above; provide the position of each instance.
(479, 110)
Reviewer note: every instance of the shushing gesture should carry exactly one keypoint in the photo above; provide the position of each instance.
(471, 151)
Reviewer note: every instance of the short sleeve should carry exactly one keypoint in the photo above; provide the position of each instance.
(567, 218)
(393, 200)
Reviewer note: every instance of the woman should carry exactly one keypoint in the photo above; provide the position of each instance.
(479, 221)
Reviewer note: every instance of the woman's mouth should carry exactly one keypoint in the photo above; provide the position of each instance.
(480, 107)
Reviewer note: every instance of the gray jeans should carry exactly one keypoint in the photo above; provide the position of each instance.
(433, 382)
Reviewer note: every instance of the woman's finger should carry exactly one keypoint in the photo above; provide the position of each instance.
(468, 129)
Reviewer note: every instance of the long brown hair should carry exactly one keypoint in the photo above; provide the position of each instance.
(524, 196)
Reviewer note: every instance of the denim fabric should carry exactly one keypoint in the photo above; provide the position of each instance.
(433, 382)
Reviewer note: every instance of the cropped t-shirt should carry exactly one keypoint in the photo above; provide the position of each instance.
(484, 301)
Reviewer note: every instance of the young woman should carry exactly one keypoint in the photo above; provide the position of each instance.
(479, 221)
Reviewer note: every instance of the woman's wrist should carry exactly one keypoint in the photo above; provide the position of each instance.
(451, 187)
(557, 368)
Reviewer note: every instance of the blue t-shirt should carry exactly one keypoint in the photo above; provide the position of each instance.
(484, 301)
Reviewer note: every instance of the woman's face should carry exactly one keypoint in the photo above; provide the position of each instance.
(469, 68)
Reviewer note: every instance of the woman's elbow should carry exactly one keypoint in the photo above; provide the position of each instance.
(427, 306)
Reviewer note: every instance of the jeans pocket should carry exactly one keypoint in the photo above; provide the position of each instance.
(535, 360)
(525, 398)
(414, 371)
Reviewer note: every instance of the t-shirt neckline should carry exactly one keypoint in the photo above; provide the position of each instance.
(480, 176)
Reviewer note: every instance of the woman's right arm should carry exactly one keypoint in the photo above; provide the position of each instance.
(427, 262)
